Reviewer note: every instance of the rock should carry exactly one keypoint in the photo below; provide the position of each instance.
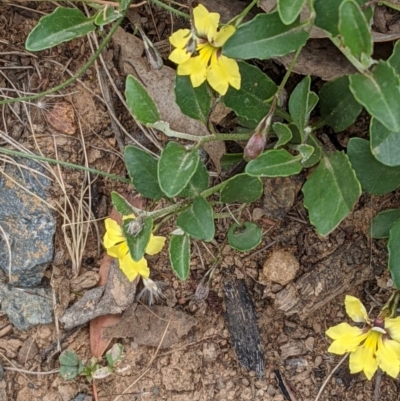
(27, 309)
(309, 343)
(281, 267)
(28, 223)
(113, 298)
(84, 281)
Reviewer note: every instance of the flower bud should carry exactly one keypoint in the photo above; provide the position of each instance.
(254, 146)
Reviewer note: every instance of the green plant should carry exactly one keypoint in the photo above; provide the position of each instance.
(71, 366)
(336, 179)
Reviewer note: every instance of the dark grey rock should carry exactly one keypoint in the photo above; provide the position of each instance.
(113, 298)
(26, 308)
(28, 223)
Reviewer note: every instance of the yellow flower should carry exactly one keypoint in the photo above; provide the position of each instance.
(375, 345)
(207, 63)
(117, 247)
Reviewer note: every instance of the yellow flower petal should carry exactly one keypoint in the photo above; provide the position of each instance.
(388, 356)
(356, 310)
(113, 235)
(346, 338)
(223, 72)
(223, 35)
(180, 38)
(206, 23)
(195, 68)
(392, 326)
(155, 244)
(363, 359)
(179, 56)
(116, 251)
(132, 269)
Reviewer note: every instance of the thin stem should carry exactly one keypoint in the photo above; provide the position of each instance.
(169, 8)
(65, 164)
(77, 75)
(206, 193)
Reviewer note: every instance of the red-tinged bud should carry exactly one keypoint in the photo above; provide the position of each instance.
(254, 146)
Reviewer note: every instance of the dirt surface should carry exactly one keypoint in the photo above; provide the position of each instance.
(75, 126)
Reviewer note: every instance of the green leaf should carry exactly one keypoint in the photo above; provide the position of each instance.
(107, 15)
(62, 25)
(306, 151)
(121, 204)
(70, 365)
(142, 168)
(197, 184)
(69, 358)
(137, 243)
(242, 188)
(140, 104)
(394, 254)
(193, 102)
(274, 163)
(385, 144)
(383, 222)
(301, 103)
(229, 160)
(394, 59)
(331, 192)
(263, 37)
(327, 14)
(317, 153)
(283, 132)
(338, 107)
(179, 255)
(289, 10)
(375, 177)
(379, 93)
(244, 237)
(355, 31)
(124, 4)
(198, 220)
(255, 89)
(176, 167)
(114, 355)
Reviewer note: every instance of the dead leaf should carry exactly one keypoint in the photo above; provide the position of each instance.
(147, 325)
(215, 149)
(62, 117)
(320, 57)
(158, 83)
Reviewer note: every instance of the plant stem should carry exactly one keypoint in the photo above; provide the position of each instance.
(65, 164)
(92, 59)
(169, 8)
